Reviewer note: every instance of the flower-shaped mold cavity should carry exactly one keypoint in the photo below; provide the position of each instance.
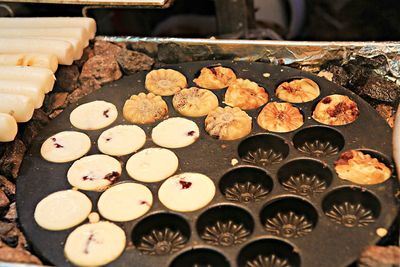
(200, 257)
(351, 207)
(263, 150)
(161, 234)
(245, 184)
(318, 141)
(289, 217)
(268, 253)
(305, 177)
(225, 226)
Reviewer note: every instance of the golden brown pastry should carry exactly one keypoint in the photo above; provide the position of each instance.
(336, 110)
(142, 108)
(298, 91)
(360, 168)
(280, 117)
(194, 102)
(228, 123)
(245, 94)
(165, 82)
(215, 78)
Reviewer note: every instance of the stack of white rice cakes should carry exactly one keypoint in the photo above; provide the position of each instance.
(30, 51)
(198, 165)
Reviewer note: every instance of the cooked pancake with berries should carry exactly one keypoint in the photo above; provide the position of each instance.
(280, 117)
(186, 192)
(298, 91)
(93, 115)
(245, 94)
(215, 78)
(228, 123)
(336, 110)
(165, 82)
(143, 109)
(95, 244)
(194, 102)
(360, 168)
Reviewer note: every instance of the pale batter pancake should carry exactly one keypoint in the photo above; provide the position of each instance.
(125, 202)
(152, 165)
(121, 140)
(62, 210)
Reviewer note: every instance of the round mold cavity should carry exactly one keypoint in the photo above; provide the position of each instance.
(267, 253)
(289, 217)
(263, 150)
(318, 141)
(161, 234)
(305, 177)
(200, 257)
(351, 207)
(245, 184)
(225, 226)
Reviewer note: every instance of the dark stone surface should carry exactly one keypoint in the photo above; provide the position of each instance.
(100, 69)
(55, 101)
(11, 215)
(84, 89)
(7, 186)
(375, 256)
(340, 76)
(380, 89)
(9, 254)
(103, 48)
(4, 201)
(132, 61)
(33, 127)
(67, 78)
(88, 52)
(12, 158)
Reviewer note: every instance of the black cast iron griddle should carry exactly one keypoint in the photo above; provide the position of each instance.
(290, 172)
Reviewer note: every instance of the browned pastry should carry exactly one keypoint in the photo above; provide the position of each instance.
(298, 91)
(165, 82)
(280, 117)
(144, 108)
(215, 78)
(336, 110)
(228, 123)
(194, 102)
(245, 94)
(360, 168)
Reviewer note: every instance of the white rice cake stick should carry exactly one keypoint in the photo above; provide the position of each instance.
(44, 78)
(8, 127)
(63, 50)
(47, 61)
(26, 88)
(77, 44)
(73, 32)
(51, 22)
(19, 106)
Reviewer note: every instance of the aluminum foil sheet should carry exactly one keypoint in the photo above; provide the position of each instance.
(304, 54)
